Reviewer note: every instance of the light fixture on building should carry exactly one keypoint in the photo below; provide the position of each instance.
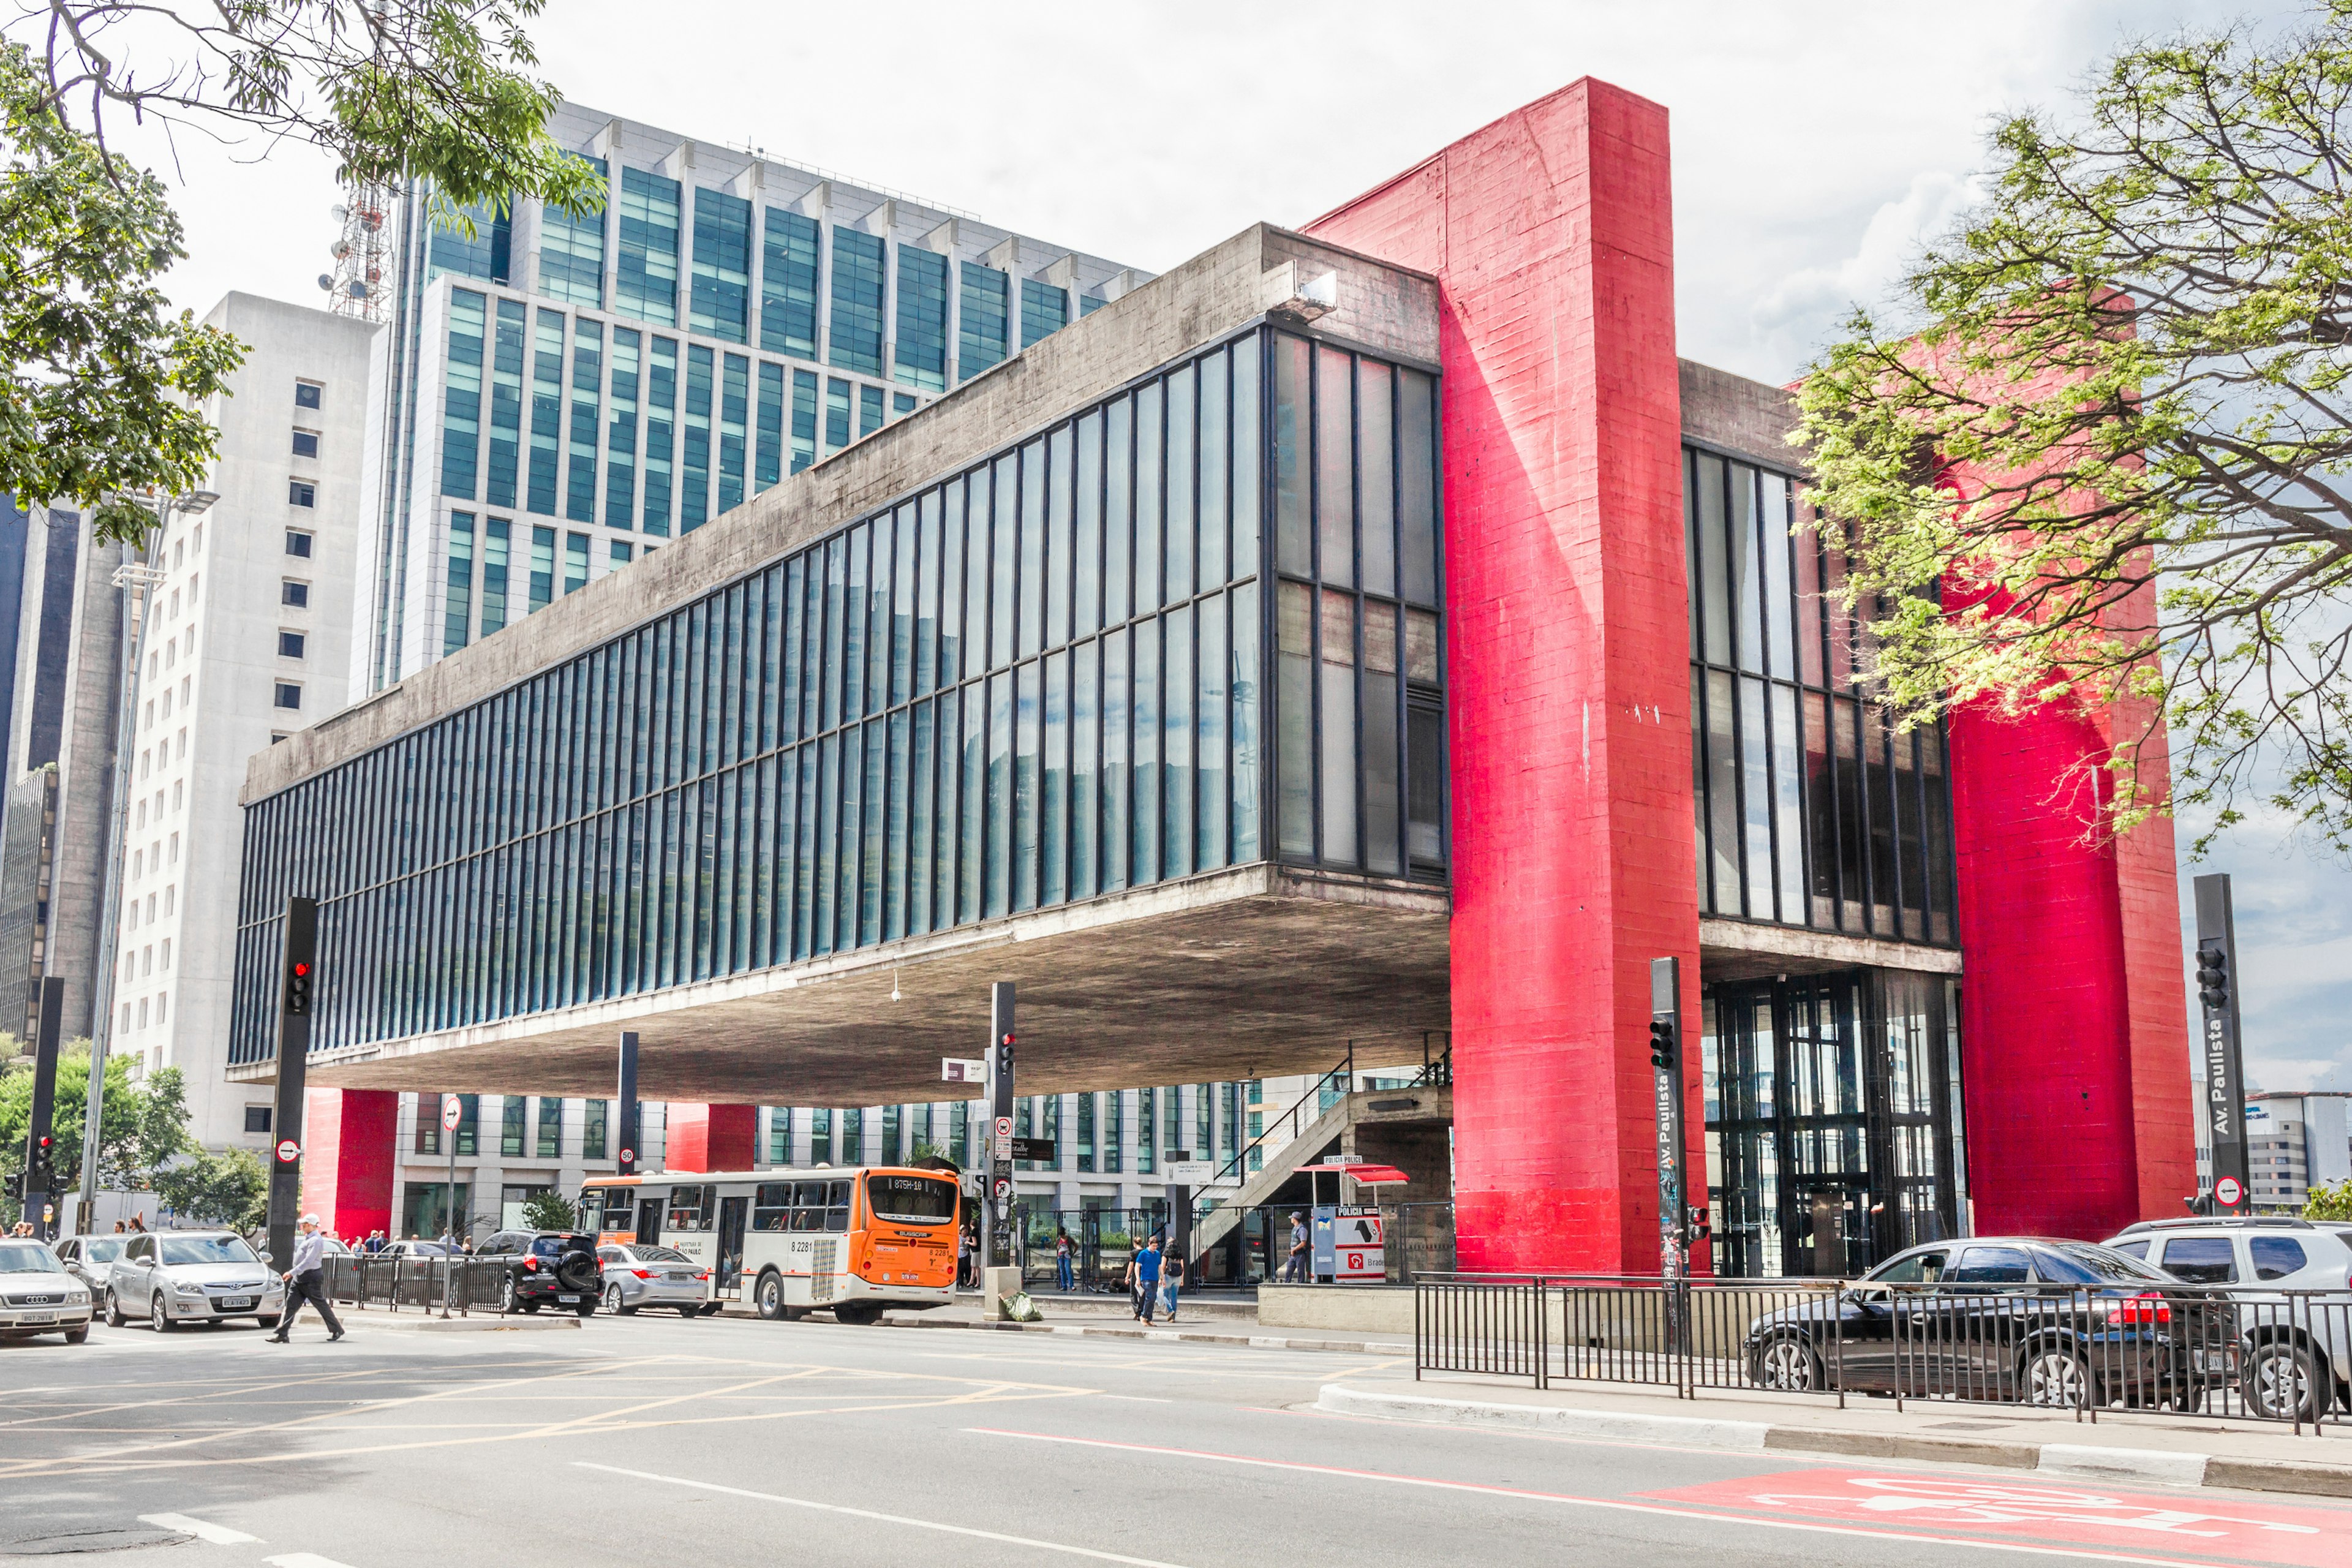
(894, 983)
(1299, 300)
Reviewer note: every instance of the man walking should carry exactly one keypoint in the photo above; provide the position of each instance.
(306, 1281)
(1293, 1269)
(1147, 1277)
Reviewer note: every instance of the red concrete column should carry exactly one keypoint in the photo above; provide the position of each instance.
(2075, 1023)
(350, 1139)
(1550, 232)
(710, 1137)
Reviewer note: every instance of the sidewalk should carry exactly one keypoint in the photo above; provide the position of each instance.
(1226, 1322)
(2158, 1447)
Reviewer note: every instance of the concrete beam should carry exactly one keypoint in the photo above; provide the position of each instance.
(1736, 950)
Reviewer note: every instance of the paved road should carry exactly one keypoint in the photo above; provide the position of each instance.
(721, 1442)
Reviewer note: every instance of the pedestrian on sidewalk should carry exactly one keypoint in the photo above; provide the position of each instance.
(1171, 1271)
(1147, 1276)
(1063, 1278)
(1294, 1268)
(306, 1281)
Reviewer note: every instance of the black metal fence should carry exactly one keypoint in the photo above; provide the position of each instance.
(2284, 1355)
(461, 1285)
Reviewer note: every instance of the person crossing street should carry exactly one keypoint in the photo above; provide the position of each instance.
(306, 1281)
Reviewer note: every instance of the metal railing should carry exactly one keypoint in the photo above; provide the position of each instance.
(2284, 1355)
(458, 1285)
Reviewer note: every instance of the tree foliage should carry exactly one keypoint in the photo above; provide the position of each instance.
(2099, 450)
(103, 401)
(2328, 1201)
(141, 1126)
(229, 1188)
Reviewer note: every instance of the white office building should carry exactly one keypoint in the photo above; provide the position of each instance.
(247, 639)
(2295, 1143)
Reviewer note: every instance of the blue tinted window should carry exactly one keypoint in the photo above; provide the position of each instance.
(506, 401)
(457, 595)
(804, 420)
(767, 463)
(856, 335)
(461, 409)
(734, 413)
(546, 409)
(648, 277)
(788, 284)
(694, 483)
(986, 306)
(661, 406)
(722, 265)
(587, 381)
(571, 250)
(1044, 309)
(471, 242)
(920, 357)
(621, 434)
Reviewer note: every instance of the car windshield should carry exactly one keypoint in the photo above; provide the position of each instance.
(921, 1199)
(661, 1255)
(2081, 1263)
(208, 1250)
(28, 1257)
(105, 1249)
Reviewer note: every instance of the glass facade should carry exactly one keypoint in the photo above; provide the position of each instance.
(1044, 310)
(648, 273)
(572, 251)
(920, 359)
(721, 295)
(1035, 680)
(1812, 811)
(788, 284)
(856, 341)
(1834, 1128)
(984, 309)
(482, 254)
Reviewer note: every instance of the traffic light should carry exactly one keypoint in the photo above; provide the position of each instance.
(299, 976)
(2213, 977)
(42, 1174)
(1003, 1063)
(1662, 1044)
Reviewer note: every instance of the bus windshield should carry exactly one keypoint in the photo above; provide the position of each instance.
(924, 1200)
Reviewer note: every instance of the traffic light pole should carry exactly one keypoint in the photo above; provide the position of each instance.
(625, 1164)
(2220, 1055)
(996, 1186)
(40, 1140)
(1666, 1064)
(298, 980)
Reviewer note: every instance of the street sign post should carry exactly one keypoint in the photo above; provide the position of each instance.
(39, 1130)
(300, 982)
(2220, 1053)
(997, 1191)
(1043, 1150)
(1665, 1063)
(1192, 1173)
(963, 1070)
(453, 1111)
(627, 1131)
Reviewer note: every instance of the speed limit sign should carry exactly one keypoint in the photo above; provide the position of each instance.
(453, 1111)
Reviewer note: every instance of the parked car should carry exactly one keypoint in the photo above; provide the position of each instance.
(2028, 1319)
(546, 1265)
(647, 1276)
(2288, 1353)
(416, 1246)
(176, 1277)
(90, 1257)
(39, 1295)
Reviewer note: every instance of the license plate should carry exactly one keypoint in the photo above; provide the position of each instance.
(39, 1318)
(236, 1303)
(569, 1300)
(676, 1275)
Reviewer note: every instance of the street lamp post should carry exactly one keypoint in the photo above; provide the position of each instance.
(138, 580)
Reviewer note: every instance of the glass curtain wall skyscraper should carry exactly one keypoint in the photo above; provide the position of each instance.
(580, 388)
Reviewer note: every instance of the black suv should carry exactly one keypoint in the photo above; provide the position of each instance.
(546, 1265)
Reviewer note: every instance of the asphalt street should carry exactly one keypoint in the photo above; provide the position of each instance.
(654, 1440)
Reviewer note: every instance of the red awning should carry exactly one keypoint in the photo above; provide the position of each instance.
(1369, 1175)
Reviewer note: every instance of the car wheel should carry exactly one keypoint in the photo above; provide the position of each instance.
(587, 1308)
(114, 1318)
(530, 1306)
(689, 1313)
(75, 1336)
(710, 1309)
(157, 1318)
(2055, 1378)
(265, 1322)
(2282, 1382)
(508, 1300)
(612, 1302)
(1786, 1362)
(768, 1296)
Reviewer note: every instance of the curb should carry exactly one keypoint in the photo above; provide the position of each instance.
(1184, 1336)
(491, 1325)
(2162, 1467)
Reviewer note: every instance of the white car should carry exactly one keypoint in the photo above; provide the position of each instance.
(90, 1259)
(2292, 1321)
(37, 1295)
(176, 1277)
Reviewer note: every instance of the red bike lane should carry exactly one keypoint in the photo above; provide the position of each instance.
(2077, 1518)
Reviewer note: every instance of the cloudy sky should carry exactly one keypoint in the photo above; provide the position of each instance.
(1813, 142)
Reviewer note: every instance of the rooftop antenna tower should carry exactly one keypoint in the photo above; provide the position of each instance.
(362, 254)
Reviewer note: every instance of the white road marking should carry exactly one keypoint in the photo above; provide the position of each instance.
(302, 1560)
(202, 1530)
(1614, 1505)
(852, 1513)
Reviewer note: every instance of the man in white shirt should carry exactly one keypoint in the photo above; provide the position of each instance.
(306, 1281)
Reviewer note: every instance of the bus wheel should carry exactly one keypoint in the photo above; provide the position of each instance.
(769, 1297)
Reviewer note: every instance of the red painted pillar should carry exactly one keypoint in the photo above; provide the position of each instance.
(2075, 1023)
(710, 1137)
(350, 1139)
(1550, 232)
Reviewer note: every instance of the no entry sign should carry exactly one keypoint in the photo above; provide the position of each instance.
(288, 1150)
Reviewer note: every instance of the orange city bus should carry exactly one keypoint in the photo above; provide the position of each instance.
(851, 1240)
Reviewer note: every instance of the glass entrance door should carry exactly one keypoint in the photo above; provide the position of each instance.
(1833, 1133)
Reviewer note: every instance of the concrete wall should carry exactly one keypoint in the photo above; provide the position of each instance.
(1551, 234)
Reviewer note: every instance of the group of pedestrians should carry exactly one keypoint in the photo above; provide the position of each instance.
(1154, 1270)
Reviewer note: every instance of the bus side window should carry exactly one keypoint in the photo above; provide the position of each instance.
(772, 1207)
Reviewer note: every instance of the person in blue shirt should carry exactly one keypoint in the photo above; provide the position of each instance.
(1146, 1278)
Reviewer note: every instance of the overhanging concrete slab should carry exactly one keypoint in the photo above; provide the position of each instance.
(1252, 972)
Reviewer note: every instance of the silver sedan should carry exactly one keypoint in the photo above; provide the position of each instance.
(647, 1275)
(37, 1295)
(91, 1258)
